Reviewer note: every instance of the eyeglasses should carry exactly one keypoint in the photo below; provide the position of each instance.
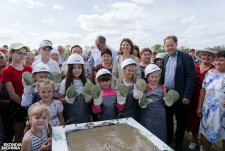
(21, 53)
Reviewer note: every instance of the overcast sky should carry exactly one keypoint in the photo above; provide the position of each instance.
(197, 23)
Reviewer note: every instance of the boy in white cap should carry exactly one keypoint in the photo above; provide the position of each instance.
(30, 96)
(45, 49)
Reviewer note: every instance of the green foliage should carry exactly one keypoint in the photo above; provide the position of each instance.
(158, 48)
(184, 49)
(219, 48)
(66, 51)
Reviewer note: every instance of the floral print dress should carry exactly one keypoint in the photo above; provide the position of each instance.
(212, 124)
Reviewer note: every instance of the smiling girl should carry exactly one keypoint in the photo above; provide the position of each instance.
(45, 91)
(12, 77)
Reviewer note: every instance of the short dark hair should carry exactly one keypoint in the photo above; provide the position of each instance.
(101, 39)
(220, 54)
(191, 50)
(75, 47)
(105, 77)
(106, 51)
(171, 37)
(146, 49)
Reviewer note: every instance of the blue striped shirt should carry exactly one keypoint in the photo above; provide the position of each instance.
(170, 71)
(37, 141)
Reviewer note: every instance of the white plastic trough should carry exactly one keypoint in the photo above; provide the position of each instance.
(59, 140)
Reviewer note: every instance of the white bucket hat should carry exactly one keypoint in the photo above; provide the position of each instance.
(198, 53)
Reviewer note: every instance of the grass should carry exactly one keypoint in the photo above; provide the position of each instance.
(188, 138)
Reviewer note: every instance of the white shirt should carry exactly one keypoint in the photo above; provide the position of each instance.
(77, 83)
(96, 58)
(53, 65)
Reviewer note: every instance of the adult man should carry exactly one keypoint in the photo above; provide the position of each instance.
(178, 74)
(61, 58)
(95, 57)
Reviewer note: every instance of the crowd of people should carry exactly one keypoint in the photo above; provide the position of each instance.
(132, 81)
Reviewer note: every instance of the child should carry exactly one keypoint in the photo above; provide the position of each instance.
(37, 131)
(106, 106)
(45, 49)
(130, 106)
(45, 91)
(40, 71)
(75, 109)
(153, 116)
(11, 75)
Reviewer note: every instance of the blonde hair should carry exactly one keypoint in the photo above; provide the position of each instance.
(135, 74)
(36, 111)
(46, 82)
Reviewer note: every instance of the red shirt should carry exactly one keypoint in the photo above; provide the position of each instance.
(10, 74)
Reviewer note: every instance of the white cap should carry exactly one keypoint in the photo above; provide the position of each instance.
(160, 55)
(75, 59)
(151, 68)
(45, 43)
(54, 51)
(102, 72)
(127, 62)
(40, 67)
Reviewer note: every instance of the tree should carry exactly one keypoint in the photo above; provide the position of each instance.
(184, 49)
(158, 48)
(219, 48)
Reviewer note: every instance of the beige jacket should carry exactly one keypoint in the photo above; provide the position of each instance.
(117, 72)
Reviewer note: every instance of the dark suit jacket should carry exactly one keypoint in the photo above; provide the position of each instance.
(184, 75)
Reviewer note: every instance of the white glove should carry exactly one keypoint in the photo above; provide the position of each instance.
(143, 101)
(96, 95)
(137, 93)
(29, 89)
(98, 101)
(87, 98)
(122, 92)
(120, 99)
(139, 88)
(57, 85)
(69, 100)
(71, 94)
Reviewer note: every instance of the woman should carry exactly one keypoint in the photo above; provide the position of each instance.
(106, 55)
(145, 60)
(211, 106)
(206, 56)
(29, 59)
(136, 52)
(12, 77)
(125, 51)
